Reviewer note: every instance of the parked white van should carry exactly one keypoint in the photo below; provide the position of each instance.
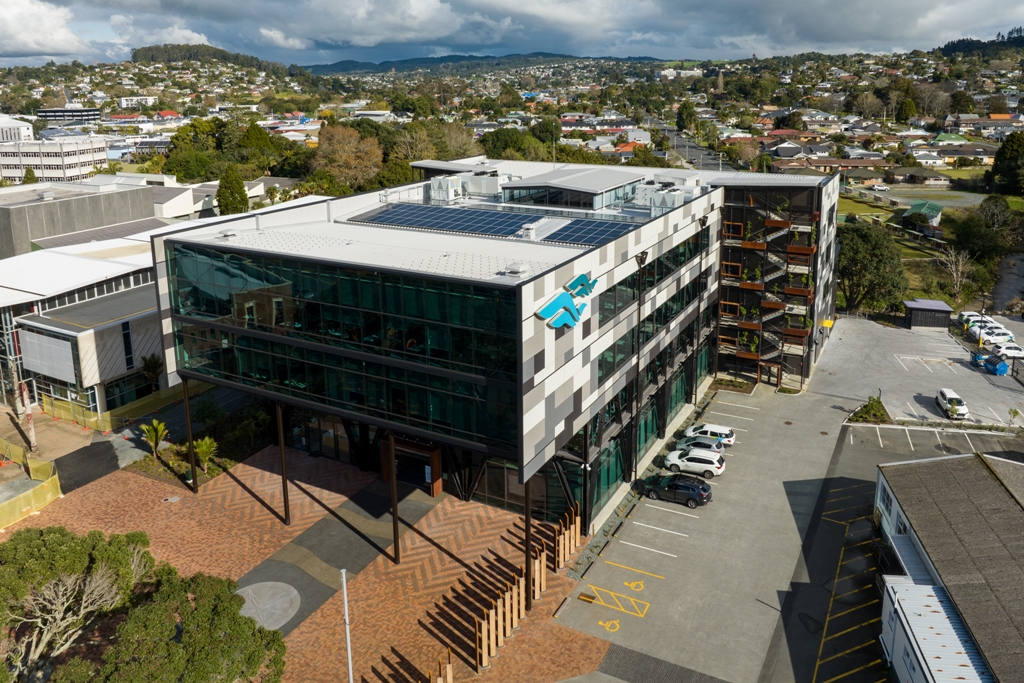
(951, 404)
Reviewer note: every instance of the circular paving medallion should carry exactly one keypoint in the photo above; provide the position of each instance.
(270, 603)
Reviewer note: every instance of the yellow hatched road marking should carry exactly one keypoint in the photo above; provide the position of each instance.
(620, 602)
(853, 671)
(846, 652)
(855, 590)
(854, 628)
(633, 569)
(854, 609)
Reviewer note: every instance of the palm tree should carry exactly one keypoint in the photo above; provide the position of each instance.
(152, 369)
(206, 449)
(154, 434)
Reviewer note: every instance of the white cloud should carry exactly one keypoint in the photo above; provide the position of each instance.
(133, 36)
(33, 28)
(277, 38)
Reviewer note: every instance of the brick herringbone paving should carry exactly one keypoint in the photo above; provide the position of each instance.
(404, 617)
(231, 526)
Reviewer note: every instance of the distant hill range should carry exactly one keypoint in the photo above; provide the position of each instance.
(453, 62)
(1013, 40)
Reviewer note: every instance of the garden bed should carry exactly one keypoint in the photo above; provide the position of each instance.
(872, 412)
(736, 385)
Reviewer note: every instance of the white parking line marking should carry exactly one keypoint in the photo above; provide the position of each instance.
(851, 437)
(737, 405)
(900, 362)
(879, 438)
(674, 512)
(908, 438)
(944, 449)
(996, 414)
(737, 429)
(913, 411)
(924, 364)
(735, 417)
(950, 366)
(658, 528)
(643, 547)
(973, 449)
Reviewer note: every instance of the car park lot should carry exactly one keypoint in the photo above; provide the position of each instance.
(686, 585)
(909, 367)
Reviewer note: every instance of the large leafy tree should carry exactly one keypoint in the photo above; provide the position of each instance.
(961, 103)
(349, 158)
(231, 195)
(192, 630)
(686, 116)
(794, 120)
(1009, 162)
(869, 267)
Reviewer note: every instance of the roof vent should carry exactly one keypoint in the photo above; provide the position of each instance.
(226, 233)
(517, 269)
(46, 196)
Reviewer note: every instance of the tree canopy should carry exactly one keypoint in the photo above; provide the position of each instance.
(1009, 162)
(231, 195)
(869, 267)
(348, 158)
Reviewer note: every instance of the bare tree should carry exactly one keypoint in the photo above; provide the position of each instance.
(414, 145)
(959, 266)
(868, 105)
(55, 615)
(460, 140)
(350, 159)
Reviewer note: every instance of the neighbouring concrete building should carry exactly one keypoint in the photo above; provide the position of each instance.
(14, 130)
(70, 113)
(34, 212)
(135, 102)
(65, 159)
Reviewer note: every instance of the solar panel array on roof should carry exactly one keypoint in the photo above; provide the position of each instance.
(585, 231)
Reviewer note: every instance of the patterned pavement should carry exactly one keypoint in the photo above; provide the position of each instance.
(455, 557)
(404, 617)
(230, 527)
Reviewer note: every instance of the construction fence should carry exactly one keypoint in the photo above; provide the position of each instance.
(27, 502)
(119, 418)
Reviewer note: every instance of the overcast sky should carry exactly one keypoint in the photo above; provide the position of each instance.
(323, 31)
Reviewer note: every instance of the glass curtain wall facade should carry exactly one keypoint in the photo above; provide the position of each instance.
(326, 334)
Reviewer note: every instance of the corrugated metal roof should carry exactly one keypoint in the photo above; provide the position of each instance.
(972, 529)
(945, 643)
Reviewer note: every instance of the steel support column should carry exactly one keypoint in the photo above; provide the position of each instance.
(188, 435)
(394, 494)
(284, 464)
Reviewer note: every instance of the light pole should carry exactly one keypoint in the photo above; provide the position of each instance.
(348, 635)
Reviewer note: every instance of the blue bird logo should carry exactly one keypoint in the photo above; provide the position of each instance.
(563, 310)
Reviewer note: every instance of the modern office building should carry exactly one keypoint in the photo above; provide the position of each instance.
(506, 321)
(778, 281)
(953, 570)
(64, 159)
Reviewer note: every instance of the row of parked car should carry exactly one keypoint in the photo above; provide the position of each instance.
(989, 331)
(700, 452)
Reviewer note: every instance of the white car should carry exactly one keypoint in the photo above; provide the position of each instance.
(967, 317)
(723, 434)
(995, 336)
(880, 188)
(1007, 350)
(990, 329)
(707, 465)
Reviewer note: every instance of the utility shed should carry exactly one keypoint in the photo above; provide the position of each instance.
(927, 313)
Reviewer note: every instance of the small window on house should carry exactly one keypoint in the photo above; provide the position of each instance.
(886, 501)
(126, 337)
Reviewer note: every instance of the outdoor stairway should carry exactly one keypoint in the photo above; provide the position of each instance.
(775, 341)
(771, 297)
(776, 261)
(776, 312)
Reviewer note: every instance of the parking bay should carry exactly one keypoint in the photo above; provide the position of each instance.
(702, 587)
